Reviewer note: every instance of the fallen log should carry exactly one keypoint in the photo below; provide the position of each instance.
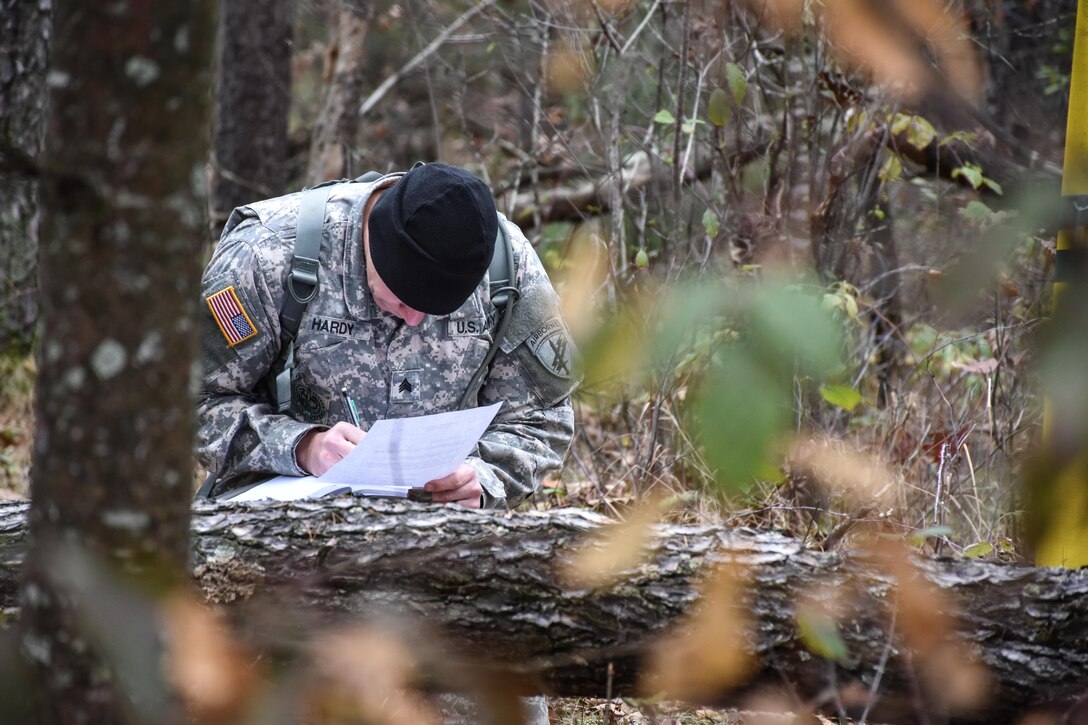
(490, 581)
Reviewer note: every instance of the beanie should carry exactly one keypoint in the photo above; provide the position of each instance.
(432, 235)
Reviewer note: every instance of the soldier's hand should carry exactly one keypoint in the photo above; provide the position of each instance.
(318, 451)
(460, 487)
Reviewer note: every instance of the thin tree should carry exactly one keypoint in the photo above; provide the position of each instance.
(252, 101)
(24, 50)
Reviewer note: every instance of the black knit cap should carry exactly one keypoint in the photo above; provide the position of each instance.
(432, 235)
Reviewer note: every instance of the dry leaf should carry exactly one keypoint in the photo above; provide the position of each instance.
(209, 668)
(567, 70)
(926, 621)
(860, 477)
(366, 674)
(614, 549)
(707, 652)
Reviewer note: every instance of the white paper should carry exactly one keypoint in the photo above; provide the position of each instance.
(393, 456)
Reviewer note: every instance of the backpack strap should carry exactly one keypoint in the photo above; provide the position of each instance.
(302, 286)
(504, 293)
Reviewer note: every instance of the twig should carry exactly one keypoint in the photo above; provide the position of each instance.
(653, 9)
(880, 666)
(379, 93)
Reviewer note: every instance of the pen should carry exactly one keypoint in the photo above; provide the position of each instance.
(349, 405)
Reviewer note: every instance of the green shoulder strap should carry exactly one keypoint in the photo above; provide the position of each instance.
(302, 286)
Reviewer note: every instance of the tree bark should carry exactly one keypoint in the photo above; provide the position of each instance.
(490, 580)
(24, 50)
(119, 286)
(252, 102)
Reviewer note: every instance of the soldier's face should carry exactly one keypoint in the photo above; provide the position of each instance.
(383, 296)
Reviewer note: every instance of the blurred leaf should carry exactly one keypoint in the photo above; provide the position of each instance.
(858, 477)
(615, 549)
(718, 110)
(820, 635)
(688, 126)
(664, 118)
(707, 652)
(740, 414)
(210, 670)
(738, 83)
(981, 548)
(642, 260)
(366, 675)
(711, 223)
(994, 186)
(919, 537)
(789, 327)
(976, 211)
(841, 396)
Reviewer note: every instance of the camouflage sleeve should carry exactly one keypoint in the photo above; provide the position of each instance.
(240, 437)
(533, 375)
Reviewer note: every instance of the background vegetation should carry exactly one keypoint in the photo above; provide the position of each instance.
(805, 246)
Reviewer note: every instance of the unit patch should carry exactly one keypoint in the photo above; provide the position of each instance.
(404, 386)
(332, 326)
(552, 347)
(233, 320)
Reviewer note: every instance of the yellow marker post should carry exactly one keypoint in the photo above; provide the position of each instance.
(1064, 541)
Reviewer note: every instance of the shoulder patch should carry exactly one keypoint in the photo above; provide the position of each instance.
(551, 345)
(233, 320)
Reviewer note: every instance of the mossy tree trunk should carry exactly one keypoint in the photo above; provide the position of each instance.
(112, 462)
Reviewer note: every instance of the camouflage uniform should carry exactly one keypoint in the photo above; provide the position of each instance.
(390, 369)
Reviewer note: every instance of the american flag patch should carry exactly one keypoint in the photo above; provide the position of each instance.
(231, 316)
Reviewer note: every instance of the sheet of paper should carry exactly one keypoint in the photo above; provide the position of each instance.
(394, 456)
(406, 452)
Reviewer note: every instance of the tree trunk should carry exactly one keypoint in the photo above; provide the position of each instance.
(332, 147)
(119, 286)
(491, 581)
(252, 101)
(24, 50)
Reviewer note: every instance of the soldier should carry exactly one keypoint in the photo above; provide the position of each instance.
(402, 320)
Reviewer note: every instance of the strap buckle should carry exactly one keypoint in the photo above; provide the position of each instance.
(303, 272)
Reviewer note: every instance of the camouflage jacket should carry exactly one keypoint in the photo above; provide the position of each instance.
(390, 369)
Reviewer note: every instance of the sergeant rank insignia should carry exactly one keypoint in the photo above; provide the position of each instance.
(232, 318)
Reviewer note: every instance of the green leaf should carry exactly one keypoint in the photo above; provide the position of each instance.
(642, 260)
(996, 187)
(972, 173)
(981, 548)
(841, 396)
(689, 125)
(711, 223)
(967, 137)
(892, 169)
(737, 82)
(920, 132)
(820, 635)
(919, 537)
(664, 118)
(976, 211)
(718, 109)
